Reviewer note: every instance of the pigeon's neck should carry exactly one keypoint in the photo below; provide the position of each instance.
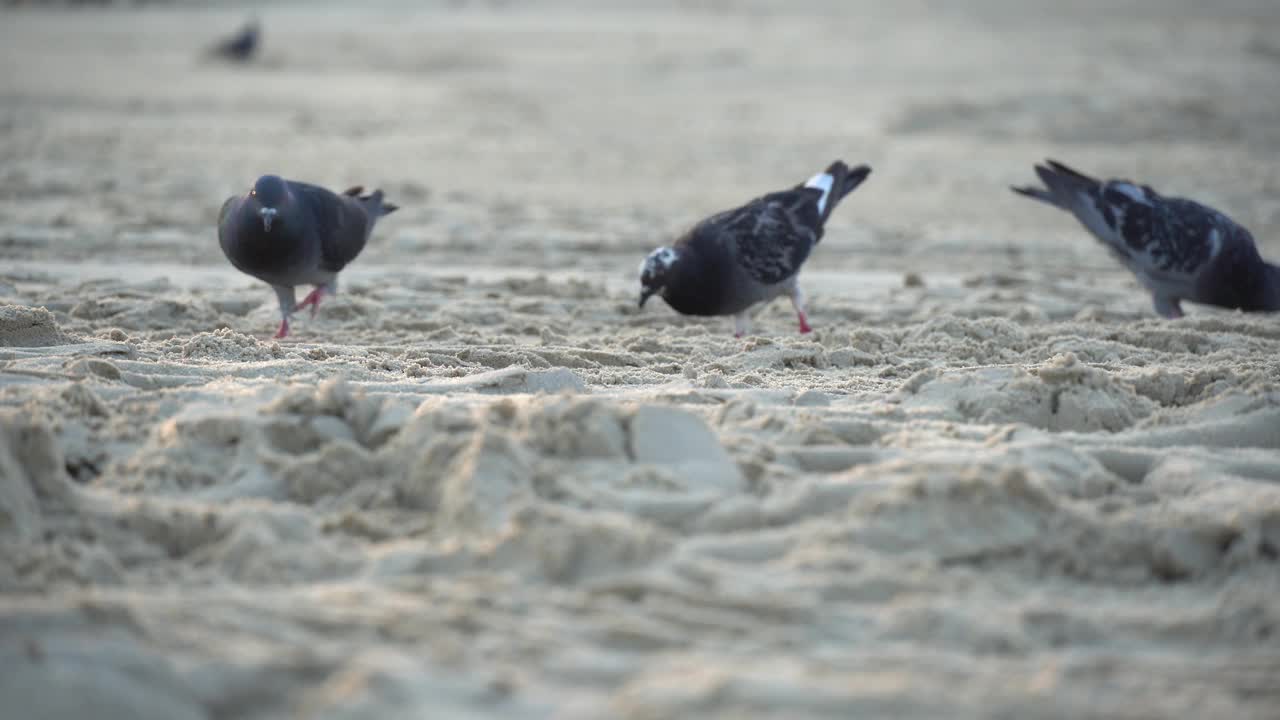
(1252, 286)
(694, 286)
(673, 271)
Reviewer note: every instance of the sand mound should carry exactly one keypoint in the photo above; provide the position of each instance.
(35, 497)
(225, 344)
(61, 662)
(474, 469)
(1061, 395)
(146, 313)
(380, 684)
(29, 327)
(237, 452)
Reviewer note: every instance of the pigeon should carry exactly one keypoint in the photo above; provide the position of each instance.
(241, 46)
(288, 233)
(751, 254)
(1178, 249)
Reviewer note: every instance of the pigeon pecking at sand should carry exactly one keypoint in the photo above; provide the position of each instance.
(752, 254)
(241, 46)
(289, 233)
(1178, 249)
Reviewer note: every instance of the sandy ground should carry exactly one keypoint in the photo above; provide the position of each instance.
(481, 483)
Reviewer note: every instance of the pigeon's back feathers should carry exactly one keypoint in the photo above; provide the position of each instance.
(771, 236)
(768, 238)
(1178, 248)
(338, 224)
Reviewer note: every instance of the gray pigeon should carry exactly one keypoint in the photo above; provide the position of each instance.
(750, 254)
(1178, 249)
(289, 233)
(240, 47)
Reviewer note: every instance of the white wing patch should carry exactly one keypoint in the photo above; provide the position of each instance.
(1215, 242)
(1087, 212)
(1134, 192)
(823, 182)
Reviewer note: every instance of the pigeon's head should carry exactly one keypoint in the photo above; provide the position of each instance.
(269, 195)
(655, 271)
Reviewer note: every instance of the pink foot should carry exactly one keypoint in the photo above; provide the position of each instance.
(804, 325)
(284, 329)
(312, 299)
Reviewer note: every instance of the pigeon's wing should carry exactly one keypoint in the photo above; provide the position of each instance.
(1164, 241)
(1167, 242)
(228, 207)
(340, 223)
(228, 234)
(771, 236)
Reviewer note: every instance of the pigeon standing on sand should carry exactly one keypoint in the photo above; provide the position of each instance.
(751, 254)
(1178, 249)
(241, 46)
(289, 233)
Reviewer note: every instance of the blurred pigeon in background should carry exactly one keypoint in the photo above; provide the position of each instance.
(241, 46)
(1178, 249)
(289, 233)
(751, 254)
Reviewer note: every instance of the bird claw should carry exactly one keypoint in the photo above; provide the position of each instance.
(312, 299)
(283, 331)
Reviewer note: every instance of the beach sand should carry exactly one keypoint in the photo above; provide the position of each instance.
(482, 483)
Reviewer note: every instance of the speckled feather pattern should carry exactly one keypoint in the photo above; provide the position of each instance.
(769, 237)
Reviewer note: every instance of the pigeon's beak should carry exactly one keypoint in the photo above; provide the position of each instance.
(645, 293)
(267, 215)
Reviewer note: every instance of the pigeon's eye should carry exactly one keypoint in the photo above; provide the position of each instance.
(253, 192)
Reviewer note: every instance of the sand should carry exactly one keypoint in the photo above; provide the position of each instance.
(482, 483)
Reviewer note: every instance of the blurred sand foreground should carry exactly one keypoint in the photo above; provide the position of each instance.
(482, 484)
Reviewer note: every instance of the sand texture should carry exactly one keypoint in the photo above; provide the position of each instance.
(481, 483)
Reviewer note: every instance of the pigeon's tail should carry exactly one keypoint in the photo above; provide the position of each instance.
(373, 202)
(835, 182)
(1063, 186)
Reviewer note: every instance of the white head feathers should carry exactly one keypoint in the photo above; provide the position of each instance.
(658, 262)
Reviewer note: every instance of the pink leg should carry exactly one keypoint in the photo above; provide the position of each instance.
(797, 302)
(312, 299)
(284, 328)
